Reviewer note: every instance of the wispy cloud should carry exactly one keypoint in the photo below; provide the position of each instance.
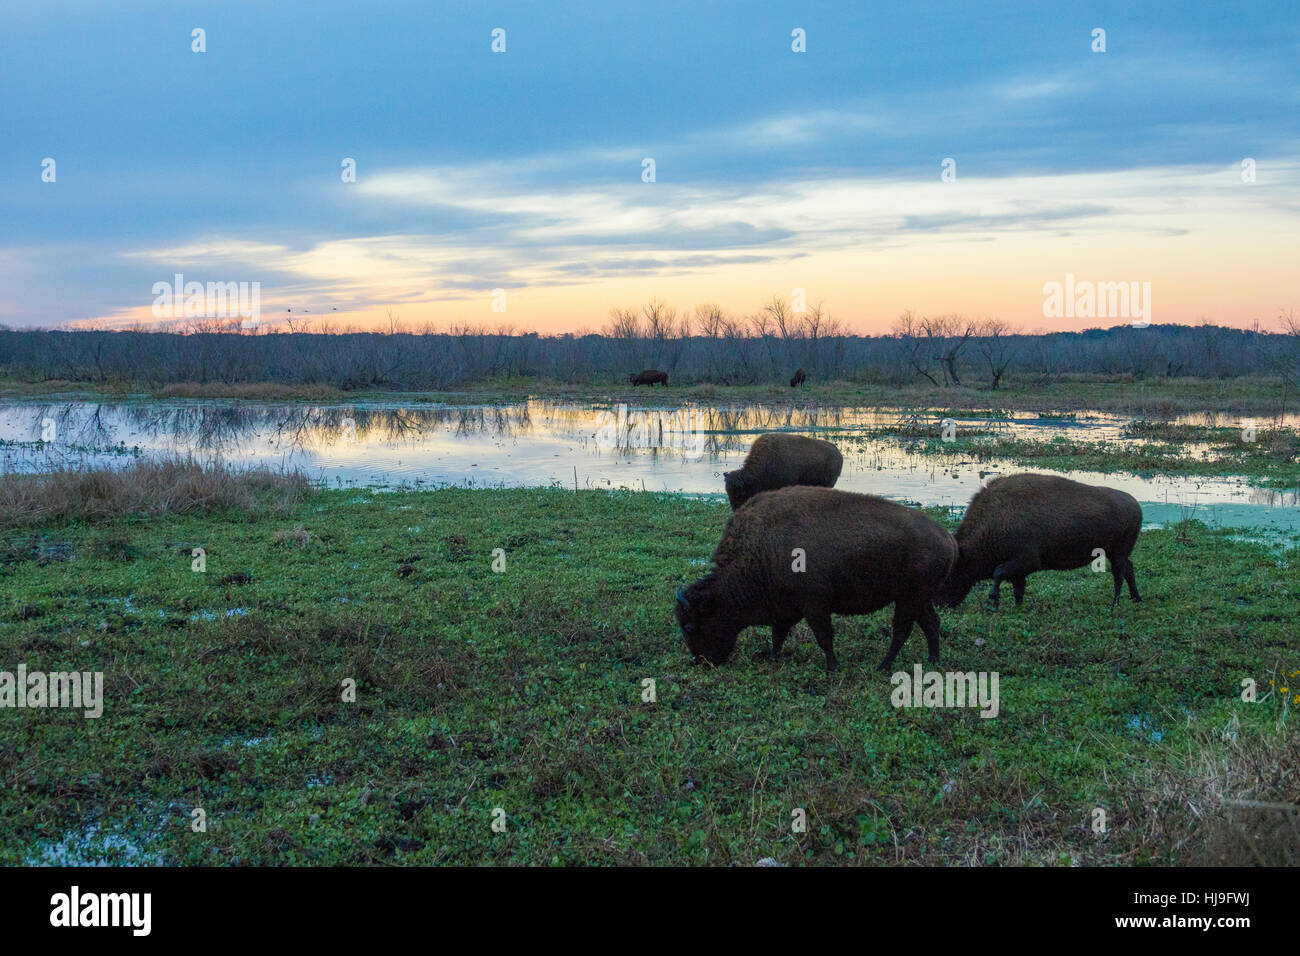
(523, 171)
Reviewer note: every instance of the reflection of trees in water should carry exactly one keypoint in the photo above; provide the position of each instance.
(100, 426)
(1213, 418)
(228, 429)
(1275, 498)
(692, 428)
(499, 421)
(214, 429)
(690, 431)
(75, 423)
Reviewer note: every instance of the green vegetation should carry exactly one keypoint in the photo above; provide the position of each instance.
(1272, 460)
(523, 690)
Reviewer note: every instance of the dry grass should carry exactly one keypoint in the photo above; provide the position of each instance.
(299, 536)
(1235, 802)
(248, 390)
(175, 486)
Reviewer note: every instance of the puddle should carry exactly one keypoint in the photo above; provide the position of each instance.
(86, 846)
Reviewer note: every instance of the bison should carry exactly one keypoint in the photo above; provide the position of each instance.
(807, 553)
(1025, 523)
(776, 460)
(649, 377)
(799, 378)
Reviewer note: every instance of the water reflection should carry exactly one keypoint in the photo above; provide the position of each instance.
(543, 443)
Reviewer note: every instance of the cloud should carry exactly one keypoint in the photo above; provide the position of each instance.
(524, 171)
(524, 238)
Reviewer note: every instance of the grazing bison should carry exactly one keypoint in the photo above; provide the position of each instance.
(649, 377)
(807, 553)
(1025, 523)
(799, 378)
(776, 460)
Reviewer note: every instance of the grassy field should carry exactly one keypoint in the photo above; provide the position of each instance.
(523, 690)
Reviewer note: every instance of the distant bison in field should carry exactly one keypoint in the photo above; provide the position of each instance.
(649, 377)
(799, 378)
(776, 460)
(808, 553)
(1025, 523)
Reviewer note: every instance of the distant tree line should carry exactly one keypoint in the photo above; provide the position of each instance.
(705, 345)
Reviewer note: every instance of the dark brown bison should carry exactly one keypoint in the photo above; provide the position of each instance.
(776, 460)
(1025, 523)
(649, 377)
(807, 553)
(799, 378)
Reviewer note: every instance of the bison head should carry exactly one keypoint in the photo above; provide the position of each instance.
(708, 634)
(955, 587)
(737, 490)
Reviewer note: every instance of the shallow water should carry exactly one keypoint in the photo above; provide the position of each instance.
(543, 443)
(85, 845)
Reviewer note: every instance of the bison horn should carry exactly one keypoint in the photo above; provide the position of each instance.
(681, 598)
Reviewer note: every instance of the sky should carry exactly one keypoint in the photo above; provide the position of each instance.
(508, 189)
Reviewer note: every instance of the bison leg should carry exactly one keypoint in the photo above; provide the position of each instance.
(780, 631)
(993, 591)
(904, 618)
(1019, 586)
(1131, 579)
(929, 621)
(1007, 571)
(1117, 573)
(820, 621)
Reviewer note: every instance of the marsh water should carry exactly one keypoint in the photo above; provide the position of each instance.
(543, 443)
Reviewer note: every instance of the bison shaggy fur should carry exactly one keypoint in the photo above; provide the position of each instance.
(776, 461)
(860, 553)
(651, 377)
(799, 378)
(1025, 523)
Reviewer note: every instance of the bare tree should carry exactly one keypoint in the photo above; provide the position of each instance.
(712, 347)
(1137, 348)
(948, 336)
(994, 342)
(659, 320)
(1287, 358)
(710, 319)
(780, 319)
(915, 340)
(623, 324)
(814, 322)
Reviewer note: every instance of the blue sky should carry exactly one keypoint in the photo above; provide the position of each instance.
(522, 170)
